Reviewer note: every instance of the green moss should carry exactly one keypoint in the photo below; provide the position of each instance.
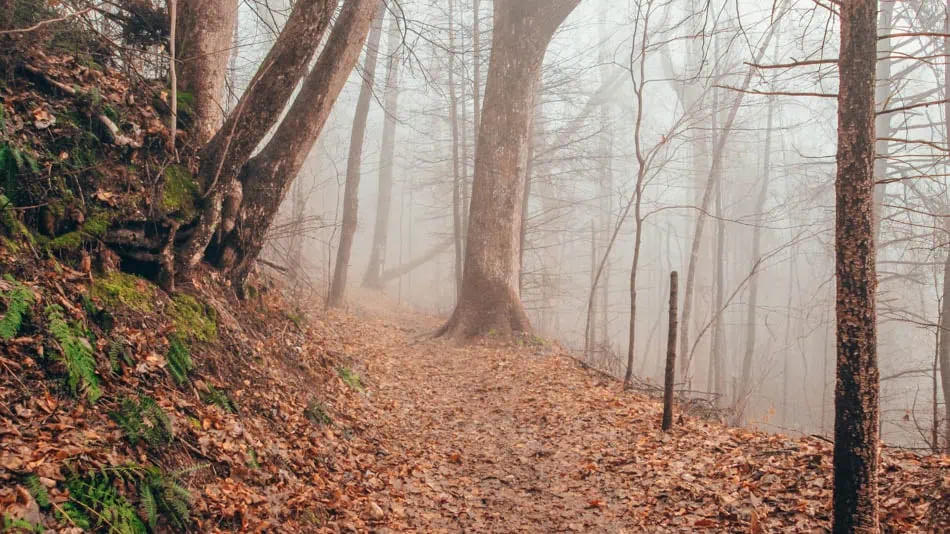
(94, 228)
(11, 223)
(181, 193)
(120, 289)
(193, 319)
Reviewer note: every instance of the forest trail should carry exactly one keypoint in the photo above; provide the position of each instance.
(525, 439)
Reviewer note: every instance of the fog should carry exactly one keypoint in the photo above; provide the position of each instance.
(648, 92)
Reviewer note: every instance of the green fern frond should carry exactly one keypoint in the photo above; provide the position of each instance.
(179, 360)
(38, 491)
(18, 300)
(148, 505)
(143, 419)
(76, 352)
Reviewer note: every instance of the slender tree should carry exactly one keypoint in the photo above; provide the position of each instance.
(377, 260)
(856, 389)
(490, 299)
(354, 163)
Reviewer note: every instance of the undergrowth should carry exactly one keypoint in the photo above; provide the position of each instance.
(100, 500)
(218, 398)
(193, 319)
(18, 302)
(179, 360)
(76, 353)
(143, 419)
(350, 378)
(126, 290)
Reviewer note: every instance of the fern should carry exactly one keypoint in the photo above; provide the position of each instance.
(76, 353)
(143, 419)
(9, 524)
(19, 300)
(148, 505)
(38, 491)
(218, 398)
(96, 501)
(179, 360)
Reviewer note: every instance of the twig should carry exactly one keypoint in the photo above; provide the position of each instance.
(42, 23)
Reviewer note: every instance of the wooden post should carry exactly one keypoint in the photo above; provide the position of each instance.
(670, 357)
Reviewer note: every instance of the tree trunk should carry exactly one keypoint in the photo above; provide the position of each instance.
(883, 122)
(268, 175)
(490, 299)
(258, 110)
(745, 383)
(857, 385)
(670, 357)
(944, 348)
(457, 185)
(354, 163)
(204, 32)
(714, 172)
(377, 260)
(945, 316)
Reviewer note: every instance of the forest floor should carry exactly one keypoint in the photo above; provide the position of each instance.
(525, 439)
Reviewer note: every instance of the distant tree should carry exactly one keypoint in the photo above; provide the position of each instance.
(354, 163)
(377, 260)
(490, 299)
(856, 390)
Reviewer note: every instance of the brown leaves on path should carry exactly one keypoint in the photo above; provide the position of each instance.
(506, 439)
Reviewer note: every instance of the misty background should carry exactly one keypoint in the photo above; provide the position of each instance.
(764, 280)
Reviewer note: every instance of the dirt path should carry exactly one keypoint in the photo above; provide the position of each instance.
(523, 440)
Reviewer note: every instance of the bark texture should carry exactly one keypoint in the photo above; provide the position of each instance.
(267, 176)
(256, 113)
(856, 389)
(204, 32)
(354, 164)
(490, 300)
(377, 259)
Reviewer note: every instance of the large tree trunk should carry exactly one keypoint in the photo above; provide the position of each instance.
(377, 259)
(204, 31)
(857, 385)
(267, 176)
(490, 299)
(255, 114)
(354, 164)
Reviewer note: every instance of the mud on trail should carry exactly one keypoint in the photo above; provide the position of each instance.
(525, 439)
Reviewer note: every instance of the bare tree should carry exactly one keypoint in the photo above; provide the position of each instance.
(267, 176)
(490, 298)
(258, 110)
(354, 163)
(377, 259)
(856, 390)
